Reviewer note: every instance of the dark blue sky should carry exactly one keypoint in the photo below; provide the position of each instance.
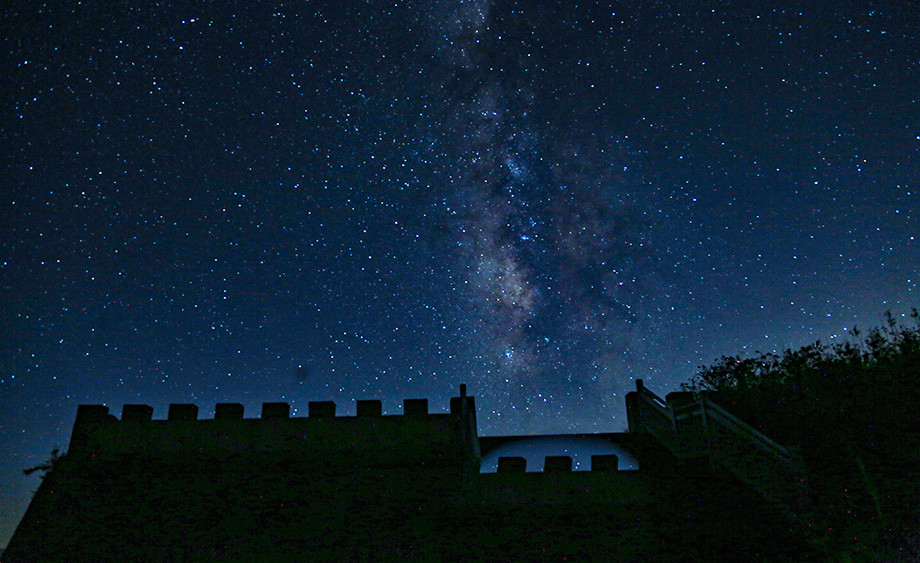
(230, 202)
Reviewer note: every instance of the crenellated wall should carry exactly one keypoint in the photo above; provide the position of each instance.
(557, 463)
(415, 432)
(557, 483)
(363, 487)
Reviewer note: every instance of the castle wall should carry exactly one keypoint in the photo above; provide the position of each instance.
(415, 434)
(365, 487)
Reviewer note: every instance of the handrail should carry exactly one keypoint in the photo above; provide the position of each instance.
(688, 410)
(685, 440)
(656, 402)
(736, 423)
(659, 404)
(728, 420)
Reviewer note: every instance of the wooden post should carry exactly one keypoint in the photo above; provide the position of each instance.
(705, 425)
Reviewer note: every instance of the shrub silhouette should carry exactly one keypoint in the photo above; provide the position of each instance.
(851, 409)
(47, 466)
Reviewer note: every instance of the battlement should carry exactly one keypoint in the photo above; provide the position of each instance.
(270, 411)
(558, 484)
(602, 463)
(98, 432)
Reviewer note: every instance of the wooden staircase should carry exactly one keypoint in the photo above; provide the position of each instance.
(694, 427)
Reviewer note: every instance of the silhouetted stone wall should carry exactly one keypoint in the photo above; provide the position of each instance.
(367, 487)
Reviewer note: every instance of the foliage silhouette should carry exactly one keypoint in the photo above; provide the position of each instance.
(851, 409)
(47, 466)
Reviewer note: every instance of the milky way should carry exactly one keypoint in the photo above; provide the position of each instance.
(554, 225)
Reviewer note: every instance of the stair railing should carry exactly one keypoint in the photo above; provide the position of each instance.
(693, 427)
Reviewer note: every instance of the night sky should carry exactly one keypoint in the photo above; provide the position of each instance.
(229, 202)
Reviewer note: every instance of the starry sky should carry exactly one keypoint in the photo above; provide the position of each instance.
(333, 200)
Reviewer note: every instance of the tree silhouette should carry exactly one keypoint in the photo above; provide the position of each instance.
(47, 466)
